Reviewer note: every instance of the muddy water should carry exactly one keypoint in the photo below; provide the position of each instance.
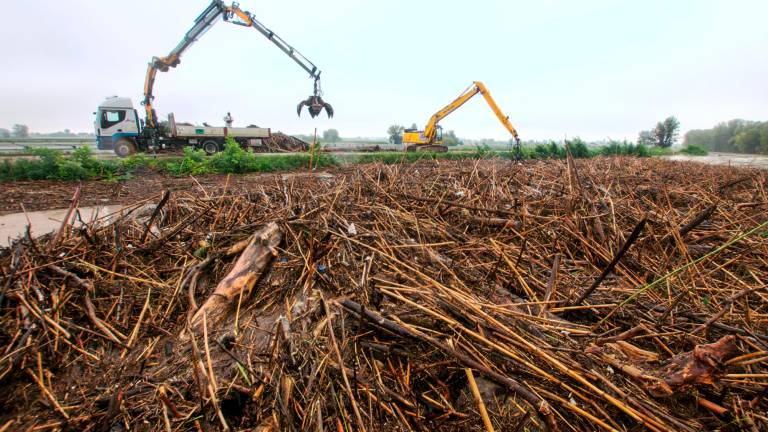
(732, 159)
(43, 222)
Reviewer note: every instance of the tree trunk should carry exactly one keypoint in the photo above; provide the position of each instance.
(242, 278)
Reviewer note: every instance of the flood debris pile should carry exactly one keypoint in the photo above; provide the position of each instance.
(279, 142)
(617, 294)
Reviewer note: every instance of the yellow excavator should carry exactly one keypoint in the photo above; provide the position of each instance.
(431, 138)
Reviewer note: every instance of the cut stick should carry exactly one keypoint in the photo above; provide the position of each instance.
(552, 282)
(347, 386)
(715, 408)
(624, 248)
(64, 222)
(155, 212)
(479, 399)
(48, 394)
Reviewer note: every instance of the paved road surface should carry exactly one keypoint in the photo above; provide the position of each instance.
(43, 222)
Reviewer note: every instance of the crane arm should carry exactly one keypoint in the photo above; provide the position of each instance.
(216, 9)
(247, 19)
(203, 23)
(430, 131)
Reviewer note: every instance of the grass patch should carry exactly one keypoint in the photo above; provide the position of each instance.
(694, 150)
(47, 164)
(660, 151)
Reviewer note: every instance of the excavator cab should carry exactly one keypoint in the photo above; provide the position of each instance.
(416, 140)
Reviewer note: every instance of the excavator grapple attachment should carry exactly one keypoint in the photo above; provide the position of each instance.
(315, 105)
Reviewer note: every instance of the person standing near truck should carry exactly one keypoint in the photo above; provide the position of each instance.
(228, 119)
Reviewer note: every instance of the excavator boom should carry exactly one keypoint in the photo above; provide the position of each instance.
(504, 119)
(232, 14)
(412, 140)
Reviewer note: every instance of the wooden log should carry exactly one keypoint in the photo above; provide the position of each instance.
(243, 276)
(697, 220)
(624, 248)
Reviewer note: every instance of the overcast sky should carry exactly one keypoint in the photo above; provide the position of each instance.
(588, 68)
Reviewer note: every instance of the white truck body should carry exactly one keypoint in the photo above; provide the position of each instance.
(117, 123)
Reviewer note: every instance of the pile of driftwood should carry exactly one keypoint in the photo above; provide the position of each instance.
(279, 142)
(616, 294)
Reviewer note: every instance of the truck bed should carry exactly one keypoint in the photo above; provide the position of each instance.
(212, 131)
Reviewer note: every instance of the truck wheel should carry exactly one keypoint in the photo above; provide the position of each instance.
(211, 147)
(125, 147)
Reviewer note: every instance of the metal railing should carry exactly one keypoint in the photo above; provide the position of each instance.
(19, 145)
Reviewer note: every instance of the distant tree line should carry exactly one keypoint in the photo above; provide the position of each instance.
(735, 136)
(331, 136)
(17, 131)
(22, 131)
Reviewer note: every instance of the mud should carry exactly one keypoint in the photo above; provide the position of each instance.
(45, 195)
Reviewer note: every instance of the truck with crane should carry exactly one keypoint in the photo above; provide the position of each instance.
(117, 122)
(431, 138)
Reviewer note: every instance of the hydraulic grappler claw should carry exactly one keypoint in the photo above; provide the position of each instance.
(315, 103)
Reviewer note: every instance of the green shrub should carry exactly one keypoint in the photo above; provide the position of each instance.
(134, 161)
(193, 162)
(619, 148)
(642, 150)
(554, 150)
(233, 159)
(526, 152)
(694, 150)
(45, 167)
(51, 164)
(483, 151)
(6, 171)
(578, 148)
(47, 164)
(541, 151)
(69, 170)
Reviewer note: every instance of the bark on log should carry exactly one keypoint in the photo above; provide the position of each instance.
(703, 365)
(243, 276)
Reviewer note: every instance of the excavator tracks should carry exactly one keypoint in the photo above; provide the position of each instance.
(432, 148)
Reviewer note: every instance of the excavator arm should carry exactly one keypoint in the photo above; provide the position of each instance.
(232, 14)
(430, 131)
